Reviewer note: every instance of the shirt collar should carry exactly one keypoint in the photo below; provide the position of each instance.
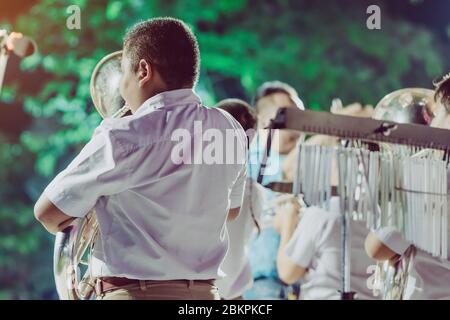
(169, 98)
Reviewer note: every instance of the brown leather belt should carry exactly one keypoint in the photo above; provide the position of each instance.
(107, 284)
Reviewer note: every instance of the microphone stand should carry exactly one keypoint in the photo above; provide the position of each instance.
(13, 42)
(4, 55)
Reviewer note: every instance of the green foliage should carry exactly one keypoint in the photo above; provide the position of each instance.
(323, 51)
(24, 247)
(327, 61)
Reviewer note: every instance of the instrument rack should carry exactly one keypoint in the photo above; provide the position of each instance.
(357, 128)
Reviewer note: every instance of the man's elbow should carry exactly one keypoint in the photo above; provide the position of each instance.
(289, 276)
(45, 217)
(289, 272)
(286, 277)
(39, 213)
(46, 222)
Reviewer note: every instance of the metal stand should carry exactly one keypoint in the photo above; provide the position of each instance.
(347, 295)
(344, 199)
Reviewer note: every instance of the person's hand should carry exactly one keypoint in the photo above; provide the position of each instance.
(287, 214)
(354, 109)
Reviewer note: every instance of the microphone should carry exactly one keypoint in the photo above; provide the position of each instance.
(16, 42)
(13, 42)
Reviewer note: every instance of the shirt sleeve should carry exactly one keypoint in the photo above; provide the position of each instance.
(393, 239)
(100, 169)
(301, 247)
(237, 191)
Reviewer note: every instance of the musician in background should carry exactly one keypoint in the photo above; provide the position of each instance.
(441, 107)
(270, 97)
(160, 237)
(429, 277)
(236, 265)
(310, 246)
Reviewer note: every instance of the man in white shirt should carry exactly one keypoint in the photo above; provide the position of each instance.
(160, 198)
(311, 251)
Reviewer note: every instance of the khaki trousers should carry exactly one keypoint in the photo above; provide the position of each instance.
(163, 290)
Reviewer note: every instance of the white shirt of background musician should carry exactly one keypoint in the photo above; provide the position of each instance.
(158, 220)
(316, 245)
(236, 265)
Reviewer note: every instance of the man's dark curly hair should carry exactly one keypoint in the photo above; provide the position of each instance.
(169, 45)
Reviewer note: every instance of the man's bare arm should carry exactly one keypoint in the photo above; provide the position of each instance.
(288, 271)
(377, 250)
(50, 216)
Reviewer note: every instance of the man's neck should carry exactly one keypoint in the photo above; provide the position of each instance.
(153, 93)
(147, 95)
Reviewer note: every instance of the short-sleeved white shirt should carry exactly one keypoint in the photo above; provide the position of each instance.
(316, 245)
(160, 218)
(236, 265)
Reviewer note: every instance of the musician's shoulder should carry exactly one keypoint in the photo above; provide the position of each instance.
(113, 125)
(118, 131)
(320, 215)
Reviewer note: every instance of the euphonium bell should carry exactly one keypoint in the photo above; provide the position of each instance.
(104, 87)
(410, 105)
(72, 244)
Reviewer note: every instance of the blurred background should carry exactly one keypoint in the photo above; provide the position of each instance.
(322, 48)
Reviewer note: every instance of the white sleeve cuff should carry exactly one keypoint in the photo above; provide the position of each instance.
(63, 201)
(393, 239)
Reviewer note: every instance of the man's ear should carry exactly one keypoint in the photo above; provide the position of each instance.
(145, 72)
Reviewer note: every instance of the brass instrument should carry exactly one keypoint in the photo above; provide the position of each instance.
(394, 277)
(72, 244)
(410, 105)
